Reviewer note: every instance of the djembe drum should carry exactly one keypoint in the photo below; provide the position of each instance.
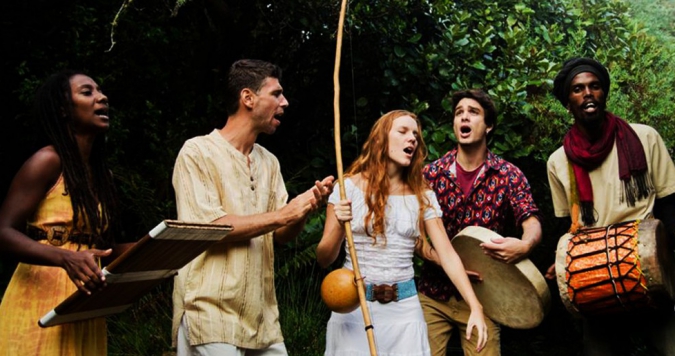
(618, 268)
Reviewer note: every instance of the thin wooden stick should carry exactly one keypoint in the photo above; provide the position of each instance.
(338, 153)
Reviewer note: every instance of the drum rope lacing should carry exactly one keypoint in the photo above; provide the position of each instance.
(630, 287)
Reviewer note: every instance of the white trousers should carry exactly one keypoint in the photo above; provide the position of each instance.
(183, 347)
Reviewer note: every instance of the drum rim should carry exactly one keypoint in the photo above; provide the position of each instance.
(525, 268)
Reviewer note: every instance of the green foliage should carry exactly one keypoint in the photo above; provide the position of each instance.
(302, 313)
(657, 16)
(647, 73)
(164, 75)
(145, 328)
(513, 49)
(301, 253)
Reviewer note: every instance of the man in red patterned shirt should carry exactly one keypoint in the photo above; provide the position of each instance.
(474, 188)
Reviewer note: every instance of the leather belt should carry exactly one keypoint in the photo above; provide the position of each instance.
(385, 293)
(58, 235)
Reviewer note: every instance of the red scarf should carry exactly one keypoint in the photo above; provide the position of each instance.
(586, 156)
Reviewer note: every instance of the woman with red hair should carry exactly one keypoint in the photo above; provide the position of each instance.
(392, 211)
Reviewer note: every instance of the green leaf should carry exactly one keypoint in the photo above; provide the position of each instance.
(438, 136)
(415, 38)
(478, 65)
(462, 42)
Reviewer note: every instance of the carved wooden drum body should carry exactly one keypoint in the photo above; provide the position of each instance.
(613, 269)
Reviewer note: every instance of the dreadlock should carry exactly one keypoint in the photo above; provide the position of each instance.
(92, 193)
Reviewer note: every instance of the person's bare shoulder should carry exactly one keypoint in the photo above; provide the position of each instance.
(30, 184)
(43, 166)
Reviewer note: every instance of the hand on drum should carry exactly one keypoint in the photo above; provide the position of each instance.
(343, 211)
(474, 276)
(550, 272)
(507, 249)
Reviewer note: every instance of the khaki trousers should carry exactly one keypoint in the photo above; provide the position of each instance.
(443, 317)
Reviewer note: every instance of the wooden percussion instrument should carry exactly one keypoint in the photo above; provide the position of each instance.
(616, 268)
(155, 258)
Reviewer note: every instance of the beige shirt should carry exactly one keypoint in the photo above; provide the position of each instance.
(227, 293)
(610, 207)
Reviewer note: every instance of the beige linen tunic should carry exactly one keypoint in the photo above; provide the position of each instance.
(227, 293)
(608, 201)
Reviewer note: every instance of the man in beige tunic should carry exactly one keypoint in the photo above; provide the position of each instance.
(607, 172)
(224, 300)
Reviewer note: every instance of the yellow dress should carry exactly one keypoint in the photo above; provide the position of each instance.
(35, 290)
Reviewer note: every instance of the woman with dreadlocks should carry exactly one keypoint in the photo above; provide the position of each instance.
(56, 221)
(392, 210)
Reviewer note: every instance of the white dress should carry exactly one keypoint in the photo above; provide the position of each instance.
(399, 327)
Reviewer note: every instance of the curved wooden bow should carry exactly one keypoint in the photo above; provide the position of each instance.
(338, 153)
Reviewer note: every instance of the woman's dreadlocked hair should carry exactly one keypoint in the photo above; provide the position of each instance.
(92, 194)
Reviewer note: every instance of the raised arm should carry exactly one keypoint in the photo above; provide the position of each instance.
(301, 206)
(286, 222)
(197, 199)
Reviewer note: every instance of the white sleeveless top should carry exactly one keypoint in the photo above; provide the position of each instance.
(391, 262)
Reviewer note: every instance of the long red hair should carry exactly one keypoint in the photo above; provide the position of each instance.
(372, 164)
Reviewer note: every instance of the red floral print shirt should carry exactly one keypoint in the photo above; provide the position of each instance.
(498, 188)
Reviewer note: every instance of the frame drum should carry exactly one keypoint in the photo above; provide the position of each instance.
(514, 295)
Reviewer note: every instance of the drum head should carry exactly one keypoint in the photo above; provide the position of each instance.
(657, 259)
(561, 274)
(514, 295)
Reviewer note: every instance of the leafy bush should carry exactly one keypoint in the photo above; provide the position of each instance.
(164, 74)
